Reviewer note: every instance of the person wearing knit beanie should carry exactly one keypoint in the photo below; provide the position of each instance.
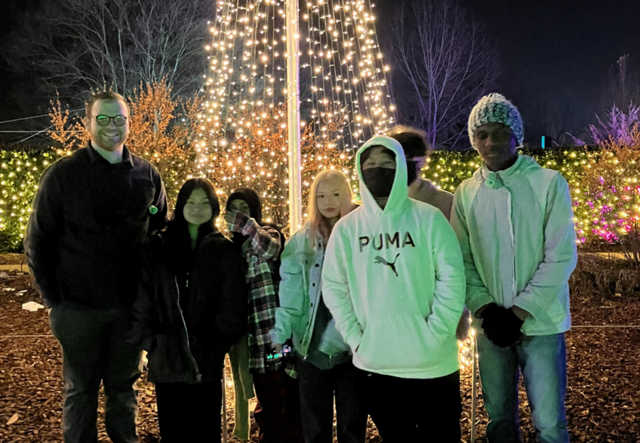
(496, 131)
(514, 222)
(495, 108)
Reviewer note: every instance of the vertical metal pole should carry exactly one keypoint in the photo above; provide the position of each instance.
(224, 405)
(474, 387)
(293, 109)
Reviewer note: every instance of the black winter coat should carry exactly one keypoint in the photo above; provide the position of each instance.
(88, 221)
(216, 311)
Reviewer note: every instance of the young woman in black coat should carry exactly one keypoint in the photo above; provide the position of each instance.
(191, 307)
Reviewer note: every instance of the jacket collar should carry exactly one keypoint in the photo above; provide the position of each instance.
(495, 180)
(94, 156)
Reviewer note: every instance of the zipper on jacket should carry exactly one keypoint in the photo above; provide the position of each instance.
(513, 249)
(318, 287)
(186, 331)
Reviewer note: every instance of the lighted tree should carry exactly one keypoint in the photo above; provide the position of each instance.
(258, 158)
(344, 94)
(617, 125)
(608, 200)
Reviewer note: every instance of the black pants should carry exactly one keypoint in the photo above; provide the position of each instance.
(413, 410)
(278, 410)
(317, 390)
(189, 413)
(94, 350)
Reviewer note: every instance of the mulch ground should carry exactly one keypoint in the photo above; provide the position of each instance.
(603, 402)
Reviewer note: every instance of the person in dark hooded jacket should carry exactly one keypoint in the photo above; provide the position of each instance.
(277, 413)
(191, 308)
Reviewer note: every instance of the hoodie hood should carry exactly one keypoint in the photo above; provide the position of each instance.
(399, 192)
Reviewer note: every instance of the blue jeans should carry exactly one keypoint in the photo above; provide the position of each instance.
(543, 362)
(93, 351)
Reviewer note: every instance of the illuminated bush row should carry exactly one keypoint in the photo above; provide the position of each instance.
(21, 170)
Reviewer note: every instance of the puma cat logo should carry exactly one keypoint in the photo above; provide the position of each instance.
(382, 261)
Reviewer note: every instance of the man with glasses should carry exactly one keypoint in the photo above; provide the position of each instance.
(90, 214)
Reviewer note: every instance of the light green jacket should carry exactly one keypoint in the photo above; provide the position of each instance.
(516, 231)
(300, 292)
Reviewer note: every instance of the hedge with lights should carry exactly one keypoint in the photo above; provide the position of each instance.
(19, 175)
(20, 172)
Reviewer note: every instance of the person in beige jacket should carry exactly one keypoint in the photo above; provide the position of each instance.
(417, 151)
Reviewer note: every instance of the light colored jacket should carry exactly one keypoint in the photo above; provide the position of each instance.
(425, 191)
(516, 231)
(300, 292)
(394, 281)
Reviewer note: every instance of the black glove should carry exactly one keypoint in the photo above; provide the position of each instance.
(491, 316)
(505, 329)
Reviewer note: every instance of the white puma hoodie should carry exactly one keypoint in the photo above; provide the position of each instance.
(394, 281)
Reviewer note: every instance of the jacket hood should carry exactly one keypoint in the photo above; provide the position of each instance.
(399, 192)
(523, 165)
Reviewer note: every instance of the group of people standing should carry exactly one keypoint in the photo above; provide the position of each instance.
(370, 297)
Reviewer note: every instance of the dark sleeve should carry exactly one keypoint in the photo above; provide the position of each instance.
(143, 314)
(230, 321)
(159, 219)
(41, 242)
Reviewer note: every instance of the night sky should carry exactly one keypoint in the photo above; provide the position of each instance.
(555, 54)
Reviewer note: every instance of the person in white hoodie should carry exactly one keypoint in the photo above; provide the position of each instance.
(393, 279)
(515, 225)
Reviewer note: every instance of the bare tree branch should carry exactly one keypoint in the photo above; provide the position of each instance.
(447, 62)
(78, 45)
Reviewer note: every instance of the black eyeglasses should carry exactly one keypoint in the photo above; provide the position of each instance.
(104, 120)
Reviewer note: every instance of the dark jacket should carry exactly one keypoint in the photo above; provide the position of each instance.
(88, 221)
(187, 340)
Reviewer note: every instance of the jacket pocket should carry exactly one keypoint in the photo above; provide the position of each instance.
(142, 195)
(332, 342)
(168, 360)
(396, 343)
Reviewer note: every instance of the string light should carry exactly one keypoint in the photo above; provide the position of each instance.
(344, 95)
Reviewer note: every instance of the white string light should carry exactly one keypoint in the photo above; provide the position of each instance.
(344, 94)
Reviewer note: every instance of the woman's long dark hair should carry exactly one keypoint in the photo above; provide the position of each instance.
(178, 240)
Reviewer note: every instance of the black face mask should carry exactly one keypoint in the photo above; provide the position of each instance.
(412, 174)
(379, 181)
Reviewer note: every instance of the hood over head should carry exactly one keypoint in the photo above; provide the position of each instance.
(399, 191)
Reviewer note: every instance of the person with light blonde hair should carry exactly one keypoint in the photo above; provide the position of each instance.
(324, 364)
